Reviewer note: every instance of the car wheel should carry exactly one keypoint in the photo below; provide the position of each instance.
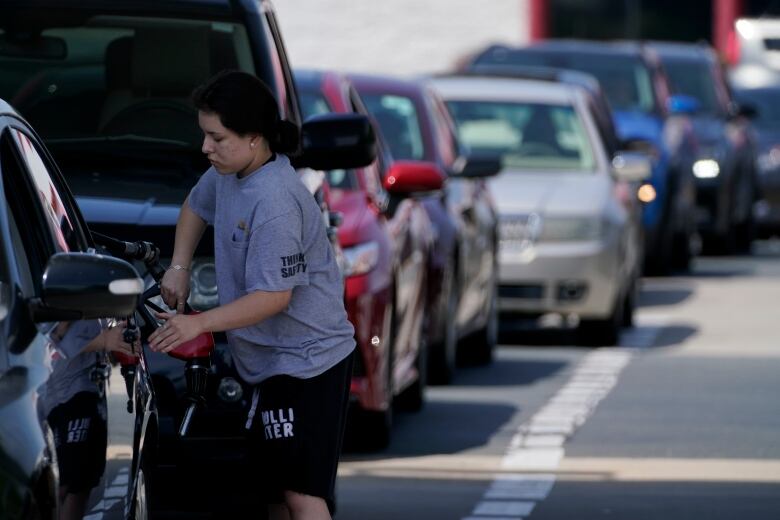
(682, 251)
(604, 332)
(140, 503)
(630, 303)
(443, 356)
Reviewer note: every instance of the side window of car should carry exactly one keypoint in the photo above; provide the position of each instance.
(445, 133)
(30, 236)
(59, 217)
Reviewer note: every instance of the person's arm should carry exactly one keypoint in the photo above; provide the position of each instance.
(110, 340)
(175, 285)
(243, 312)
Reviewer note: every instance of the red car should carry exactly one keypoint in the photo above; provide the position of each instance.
(462, 293)
(386, 237)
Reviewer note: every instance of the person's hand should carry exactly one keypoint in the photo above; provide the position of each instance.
(175, 288)
(177, 329)
(113, 341)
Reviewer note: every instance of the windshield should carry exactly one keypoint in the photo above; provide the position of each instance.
(693, 78)
(101, 80)
(625, 79)
(526, 135)
(398, 120)
(314, 104)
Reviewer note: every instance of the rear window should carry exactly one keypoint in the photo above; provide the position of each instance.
(625, 79)
(104, 78)
(526, 135)
(694, 79)
(400, 125)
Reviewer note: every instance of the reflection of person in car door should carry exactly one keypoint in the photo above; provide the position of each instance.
(280, 293)
(75, 408)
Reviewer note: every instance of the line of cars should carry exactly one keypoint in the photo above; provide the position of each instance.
(518, 186)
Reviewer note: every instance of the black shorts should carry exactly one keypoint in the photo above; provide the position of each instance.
(296, 433)
(80, 437)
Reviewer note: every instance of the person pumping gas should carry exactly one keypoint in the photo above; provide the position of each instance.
(280, 293)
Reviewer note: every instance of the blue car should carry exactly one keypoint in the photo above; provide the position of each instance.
(646, 120)
(725, 167)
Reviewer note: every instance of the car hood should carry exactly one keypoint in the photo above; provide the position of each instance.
(709, 130)
(546, 193)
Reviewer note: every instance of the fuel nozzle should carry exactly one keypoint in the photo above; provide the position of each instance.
(197, 354)
(128, 364)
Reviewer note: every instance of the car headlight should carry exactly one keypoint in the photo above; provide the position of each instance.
(361, 258)
(706, 169)
(203, 285)
(559, 229)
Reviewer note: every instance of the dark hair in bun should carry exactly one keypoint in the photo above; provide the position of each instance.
(246, 105)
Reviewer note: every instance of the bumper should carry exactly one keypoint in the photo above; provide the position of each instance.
(576, 277)
(709, 217)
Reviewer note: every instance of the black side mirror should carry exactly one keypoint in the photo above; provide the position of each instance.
(745, 110)
(477, 167)
(336, 141)
(78, 286)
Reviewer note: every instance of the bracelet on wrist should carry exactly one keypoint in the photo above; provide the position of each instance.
(177, 267)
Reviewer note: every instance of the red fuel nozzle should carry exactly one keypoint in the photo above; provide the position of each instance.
(197, 354)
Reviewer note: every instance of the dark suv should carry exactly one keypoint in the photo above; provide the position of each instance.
(107, 84)
(47, 275)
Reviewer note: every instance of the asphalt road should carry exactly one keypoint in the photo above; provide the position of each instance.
(681, 421)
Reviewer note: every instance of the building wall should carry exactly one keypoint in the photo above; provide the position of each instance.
(402, 37)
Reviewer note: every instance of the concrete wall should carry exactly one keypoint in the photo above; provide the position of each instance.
(401, 37)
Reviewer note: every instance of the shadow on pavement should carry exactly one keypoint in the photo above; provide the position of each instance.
(671, 500)
(449, 427)
(519, 335)
(675, 335)
(666, 295)
(507, 373)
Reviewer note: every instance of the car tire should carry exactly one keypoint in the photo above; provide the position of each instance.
(630, 303)
(442, 358)
(141, 510)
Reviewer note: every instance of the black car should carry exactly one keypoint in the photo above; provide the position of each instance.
(764, 102)
(107, 84)
(49, 273)
(646, 120)
(725, 166)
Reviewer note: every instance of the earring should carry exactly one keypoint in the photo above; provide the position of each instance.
(252, 145)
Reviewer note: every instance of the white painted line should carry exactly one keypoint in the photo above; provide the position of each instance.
(115, 492)
(504, 508)
(544, 441)
(526, 459)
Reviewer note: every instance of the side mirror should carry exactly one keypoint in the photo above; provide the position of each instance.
(682, 104)
(631, 167)
(745, 110)
(336, 141)
(407, 177)
(477, 167)
(78, 286)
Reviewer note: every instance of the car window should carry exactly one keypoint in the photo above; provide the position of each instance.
(103, 79)
(400, 124)
(444, 132)
(526, 135)
(694, 79)
(625, 79)
(33, 243)
(61, 225)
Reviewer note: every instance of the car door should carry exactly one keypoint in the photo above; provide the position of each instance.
(39, 220)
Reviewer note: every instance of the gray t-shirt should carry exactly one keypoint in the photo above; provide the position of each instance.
(269, 235)
(72, 368)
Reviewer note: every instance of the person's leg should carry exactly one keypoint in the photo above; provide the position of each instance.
(306, 507)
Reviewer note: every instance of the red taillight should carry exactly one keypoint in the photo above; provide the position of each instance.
(732, 47)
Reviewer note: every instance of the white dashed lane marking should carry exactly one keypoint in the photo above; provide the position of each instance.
(538, 443)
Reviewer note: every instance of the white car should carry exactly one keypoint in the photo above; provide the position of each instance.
(570, 234)
(756, 53)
